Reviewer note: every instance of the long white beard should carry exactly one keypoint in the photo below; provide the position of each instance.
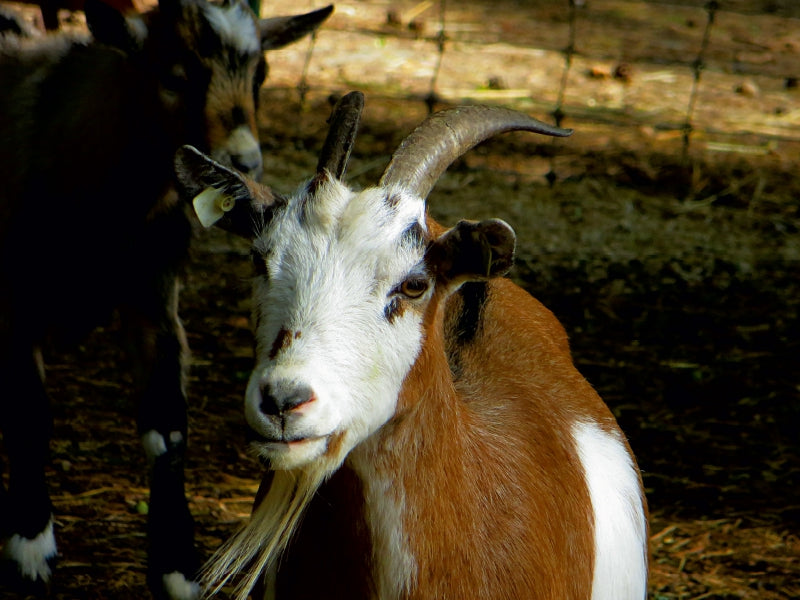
(255, 548)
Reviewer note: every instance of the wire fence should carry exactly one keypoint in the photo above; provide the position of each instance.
(685, 76)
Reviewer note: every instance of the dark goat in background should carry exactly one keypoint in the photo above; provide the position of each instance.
(48, 17)
(90, 223)
(13, 23)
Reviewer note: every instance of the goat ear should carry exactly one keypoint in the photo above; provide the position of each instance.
(472, 251)
(220, 195)
(109, 26)
(277, 32)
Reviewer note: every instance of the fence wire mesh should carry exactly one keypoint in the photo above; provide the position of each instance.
(683, 76)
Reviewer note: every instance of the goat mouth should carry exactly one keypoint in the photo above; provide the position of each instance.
(263, 443)
(288, 453)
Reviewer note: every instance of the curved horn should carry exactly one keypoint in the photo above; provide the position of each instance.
(444, 136)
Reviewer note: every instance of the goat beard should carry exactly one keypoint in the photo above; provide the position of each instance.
(257, 546)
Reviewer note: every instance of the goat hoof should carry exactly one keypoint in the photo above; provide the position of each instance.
(176, 586)
(27, 564)
(15, 580)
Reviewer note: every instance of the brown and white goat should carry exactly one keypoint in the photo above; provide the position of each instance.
(90, 222)
(421, 410)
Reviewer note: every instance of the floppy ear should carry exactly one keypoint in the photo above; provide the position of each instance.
(472, 251)
(220, 195)
(278, 32)
(109, 26)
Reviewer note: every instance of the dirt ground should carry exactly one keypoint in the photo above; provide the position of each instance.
(677, 278)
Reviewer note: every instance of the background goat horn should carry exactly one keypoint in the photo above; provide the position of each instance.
(344, 122)
(444, 136)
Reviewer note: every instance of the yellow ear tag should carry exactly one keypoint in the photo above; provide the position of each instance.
(210, 205)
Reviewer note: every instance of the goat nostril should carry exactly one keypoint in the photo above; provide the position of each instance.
(303, 395)
(269, 403)
(275, 402)
(269, 406)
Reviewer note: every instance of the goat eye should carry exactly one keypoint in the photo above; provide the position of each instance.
(175, 79)
(414, 287)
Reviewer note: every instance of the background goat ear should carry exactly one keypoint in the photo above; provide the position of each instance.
(235, 203)
(473, 251)
(109, 26)
(278, 32)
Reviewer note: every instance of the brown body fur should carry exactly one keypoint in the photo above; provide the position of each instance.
(497, 506)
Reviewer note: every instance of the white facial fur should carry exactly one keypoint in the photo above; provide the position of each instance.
(235, 26)
(332, 269)
(242, 144)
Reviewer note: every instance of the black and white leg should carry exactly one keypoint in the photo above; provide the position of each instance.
(26, 514)
(162, 356)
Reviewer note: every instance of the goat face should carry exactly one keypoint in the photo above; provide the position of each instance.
(348, 287)
(338, 304)
(207, 62)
